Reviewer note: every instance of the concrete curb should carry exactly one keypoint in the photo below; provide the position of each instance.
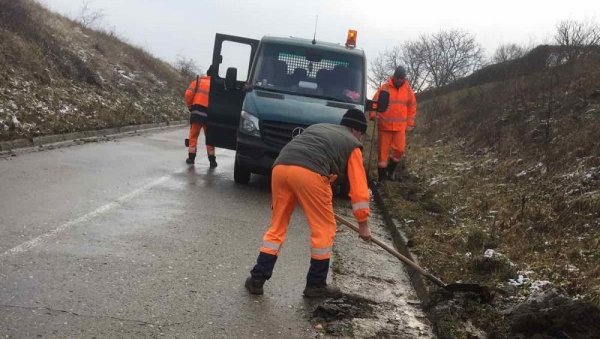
(20, 146)
(380, 194)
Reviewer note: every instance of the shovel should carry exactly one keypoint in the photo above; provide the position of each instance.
(456, 287)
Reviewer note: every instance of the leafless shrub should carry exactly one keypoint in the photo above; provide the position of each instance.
(508, 52)
(576, 37)
(187, 67)
(89, 17)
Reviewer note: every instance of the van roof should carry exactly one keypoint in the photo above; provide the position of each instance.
(308, 43)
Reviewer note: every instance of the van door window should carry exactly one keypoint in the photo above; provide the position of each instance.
(235, 55)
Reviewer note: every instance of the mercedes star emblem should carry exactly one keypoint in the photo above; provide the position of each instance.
(297, 131)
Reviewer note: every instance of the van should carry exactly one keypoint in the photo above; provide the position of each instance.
(290, 84)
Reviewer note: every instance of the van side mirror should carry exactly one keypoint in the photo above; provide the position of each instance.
(383, 102)
(230, 78)
(381, 105)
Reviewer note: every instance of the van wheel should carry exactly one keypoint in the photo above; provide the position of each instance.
(241, 175)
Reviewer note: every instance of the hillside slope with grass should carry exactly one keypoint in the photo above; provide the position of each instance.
(57, 76)
(501, 186)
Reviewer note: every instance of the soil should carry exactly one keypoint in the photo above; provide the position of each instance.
(378, 299)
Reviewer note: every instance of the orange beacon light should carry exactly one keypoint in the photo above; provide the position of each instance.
(351, 39)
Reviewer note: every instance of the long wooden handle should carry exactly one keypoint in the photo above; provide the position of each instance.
(395, 253)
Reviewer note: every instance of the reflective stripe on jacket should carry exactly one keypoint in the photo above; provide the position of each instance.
(359, 190)
(402, 109)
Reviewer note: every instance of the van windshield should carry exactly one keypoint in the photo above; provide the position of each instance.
(310, 71)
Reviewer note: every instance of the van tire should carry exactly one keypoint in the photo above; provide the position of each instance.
(241, 175)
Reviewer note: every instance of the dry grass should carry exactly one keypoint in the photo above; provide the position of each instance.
(514, 167)
(57, 76)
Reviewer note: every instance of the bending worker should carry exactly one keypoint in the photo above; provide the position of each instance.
(394, 122)
(196, 99)
(302, 174)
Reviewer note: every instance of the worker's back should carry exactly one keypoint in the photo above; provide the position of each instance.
(322, 148)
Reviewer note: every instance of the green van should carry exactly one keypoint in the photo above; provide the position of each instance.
(290, 83)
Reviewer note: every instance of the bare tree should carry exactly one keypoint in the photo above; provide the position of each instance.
(576, 37)
(88, 16)
(378, 72)
(449, 55)
(187, 67)
(408, 56)
(412, 57)
(508, 52)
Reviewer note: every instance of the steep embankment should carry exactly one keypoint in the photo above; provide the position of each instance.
(501, 186)
(57, 76)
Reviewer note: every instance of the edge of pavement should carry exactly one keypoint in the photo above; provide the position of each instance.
(400, 242)
(21, 146)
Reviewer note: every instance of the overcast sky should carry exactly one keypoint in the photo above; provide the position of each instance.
(168, 28)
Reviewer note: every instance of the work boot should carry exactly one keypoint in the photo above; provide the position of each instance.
(391, 169)
(323, 291)
(254, 286)
(382, 174)
(191, 158)
(213, 161)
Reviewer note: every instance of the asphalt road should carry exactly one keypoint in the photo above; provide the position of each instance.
(123, 239)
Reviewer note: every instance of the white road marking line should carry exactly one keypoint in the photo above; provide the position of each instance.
(102, 209)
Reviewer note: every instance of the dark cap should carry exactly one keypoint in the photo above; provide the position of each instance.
(400, 72)
(355, 118)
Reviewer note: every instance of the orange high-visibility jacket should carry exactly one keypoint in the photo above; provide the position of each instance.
(402, 109)
(198, 96)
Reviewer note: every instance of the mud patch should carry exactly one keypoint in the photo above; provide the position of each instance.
(378, 301)
(348, 306)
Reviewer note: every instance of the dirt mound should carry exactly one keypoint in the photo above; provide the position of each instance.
(336, 315)
(347, 306)
(554, 316)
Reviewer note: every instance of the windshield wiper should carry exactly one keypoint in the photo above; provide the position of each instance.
(272, 89)
(330, 98)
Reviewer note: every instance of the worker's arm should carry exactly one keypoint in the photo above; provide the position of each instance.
(189, 94)
(412, 108)
(359, 193)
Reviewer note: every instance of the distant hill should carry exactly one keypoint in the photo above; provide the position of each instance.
(57, 76)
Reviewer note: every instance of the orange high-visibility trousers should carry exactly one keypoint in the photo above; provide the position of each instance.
(195, 129)
(396, 140)
(291, 185)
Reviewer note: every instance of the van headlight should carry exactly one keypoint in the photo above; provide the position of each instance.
(249, 124)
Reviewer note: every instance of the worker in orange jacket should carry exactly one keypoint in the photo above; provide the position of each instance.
(394, 122)
(302, 174)
(196, 99)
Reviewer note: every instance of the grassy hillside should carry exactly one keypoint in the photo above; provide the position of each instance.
(57, 76)
(502, 186)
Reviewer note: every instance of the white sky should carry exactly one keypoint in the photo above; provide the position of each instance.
(168, 28)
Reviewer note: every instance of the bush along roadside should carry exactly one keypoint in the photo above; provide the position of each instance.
(447, 208)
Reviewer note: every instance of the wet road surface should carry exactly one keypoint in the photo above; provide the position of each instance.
(122, 239)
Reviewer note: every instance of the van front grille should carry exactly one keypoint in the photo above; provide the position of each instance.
(278, 133)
